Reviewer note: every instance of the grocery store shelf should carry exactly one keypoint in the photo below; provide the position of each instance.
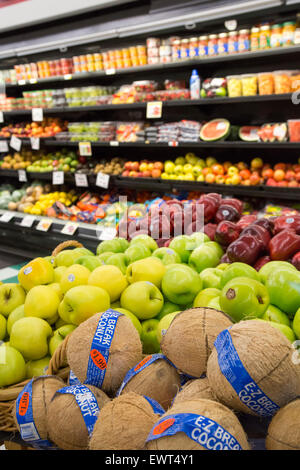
(169, 104)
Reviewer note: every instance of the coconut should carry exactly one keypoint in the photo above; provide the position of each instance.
(123, 424)
(284, 429)
(159, 380)
(212, 410)
(190, 337)
(194, 389)
(124, 353)
(267, 356)
(66, 425)
(43, 389)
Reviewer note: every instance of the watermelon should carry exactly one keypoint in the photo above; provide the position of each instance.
(249, 133)
(216, 129)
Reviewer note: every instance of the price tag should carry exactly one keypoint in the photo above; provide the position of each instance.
(108, 233)
(154, 110)
(231, 25)
(102, 180)
(44, 225)
(22, 176)
(81, 180)
(85, 149)
(27, 221)
(33, 80)
(3, 146)
(15, 143)
(21, 82)
(110, 71)
(173, 143)
(1, 116)
(69, 229)
(35, 143)
(114, 143)
(58, 177)
(68, 76)
(6, 217)
(37, 114)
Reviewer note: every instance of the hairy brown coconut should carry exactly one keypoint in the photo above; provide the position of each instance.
(284, 429)
(194, 389)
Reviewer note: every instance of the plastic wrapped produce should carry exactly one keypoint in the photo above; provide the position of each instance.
(234, 86)
(249, 84)
(266, 83)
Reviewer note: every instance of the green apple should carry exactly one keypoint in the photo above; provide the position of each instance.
(217, 247)
(238, 270)
(11, 296)
(66, 258)
(183, 245)
(3, 323)
(147, 269)
(75, 275)
(136, 322)
(181, 284)
(110, 278)
(271, 266)
(38, 367)
(145, 240)
(58, 337)
(164, 324)
(29, 335)
(82, 252)
(205, 296)
(284, 289)
(143, 299)
(211, 277)
(89, 262)
(113, 246)
(14, 316)
(244, 298)
(286, 330)
(296, 323)
(167, 255)
(149, 339)
(115, 305)
(119, 260)
(223, 266)
(123, 243)
(137, 251)
(59, 322)
(199, 238)
(104, 257)
(58, 272)
(82, 302)
(168, 307)
(204, 257)
(214, 303)
(275, 315)
(12, 366)
(41, 302)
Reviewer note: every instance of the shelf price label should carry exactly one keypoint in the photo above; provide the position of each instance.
(37, 114)
(44, 225)
(102, 180)
(69, 228)
(81, 180)
(85, 149)
(58, 177)
(33, 80)
(15, 143)
(27, 221)
(21, 82)
(68, 76)
(108, 233)
(114, 143)
(6, 217)
(3, 146)
(35, 143)
(22, 176)
(110, 71)
(154, 110)
(1, 116)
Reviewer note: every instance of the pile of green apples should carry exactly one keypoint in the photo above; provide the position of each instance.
(148, 284)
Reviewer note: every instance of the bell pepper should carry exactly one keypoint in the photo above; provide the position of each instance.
(245, 249)
(227, 232)
(284, 245)
(287, 222)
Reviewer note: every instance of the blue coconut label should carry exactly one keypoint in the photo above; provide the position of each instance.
(205, 431)
(24, 415)
(87, 403)
(100, 346)
(157, 408)
(139, 367)
(73, 380)
(233, 369)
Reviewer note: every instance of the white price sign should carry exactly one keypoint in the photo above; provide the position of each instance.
(33, 80)
(110, 71)
(37, 114)
(22, 176)
(70, 228)
(21, 82)
(108, 233)
(68, 76)
(27, 221)
(3, 146)
(58, 177)
(114, 143)
(6, 217)
(102, 180)
(44, 225)
(35, 143)
(1, 116)
(85, 149)
(15, 143)
(154, 110)
(81, 180)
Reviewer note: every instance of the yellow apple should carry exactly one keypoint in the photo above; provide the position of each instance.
(41, 302)
(148, 269)
(11, 296)
(57, 288)
(36, 272)
(58, 272)
(14, 316)
(37, 368)
(76, 275)
(29, 336)
(110, 278)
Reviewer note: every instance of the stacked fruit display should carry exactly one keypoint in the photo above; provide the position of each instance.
(48, 128)
(114, 167)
